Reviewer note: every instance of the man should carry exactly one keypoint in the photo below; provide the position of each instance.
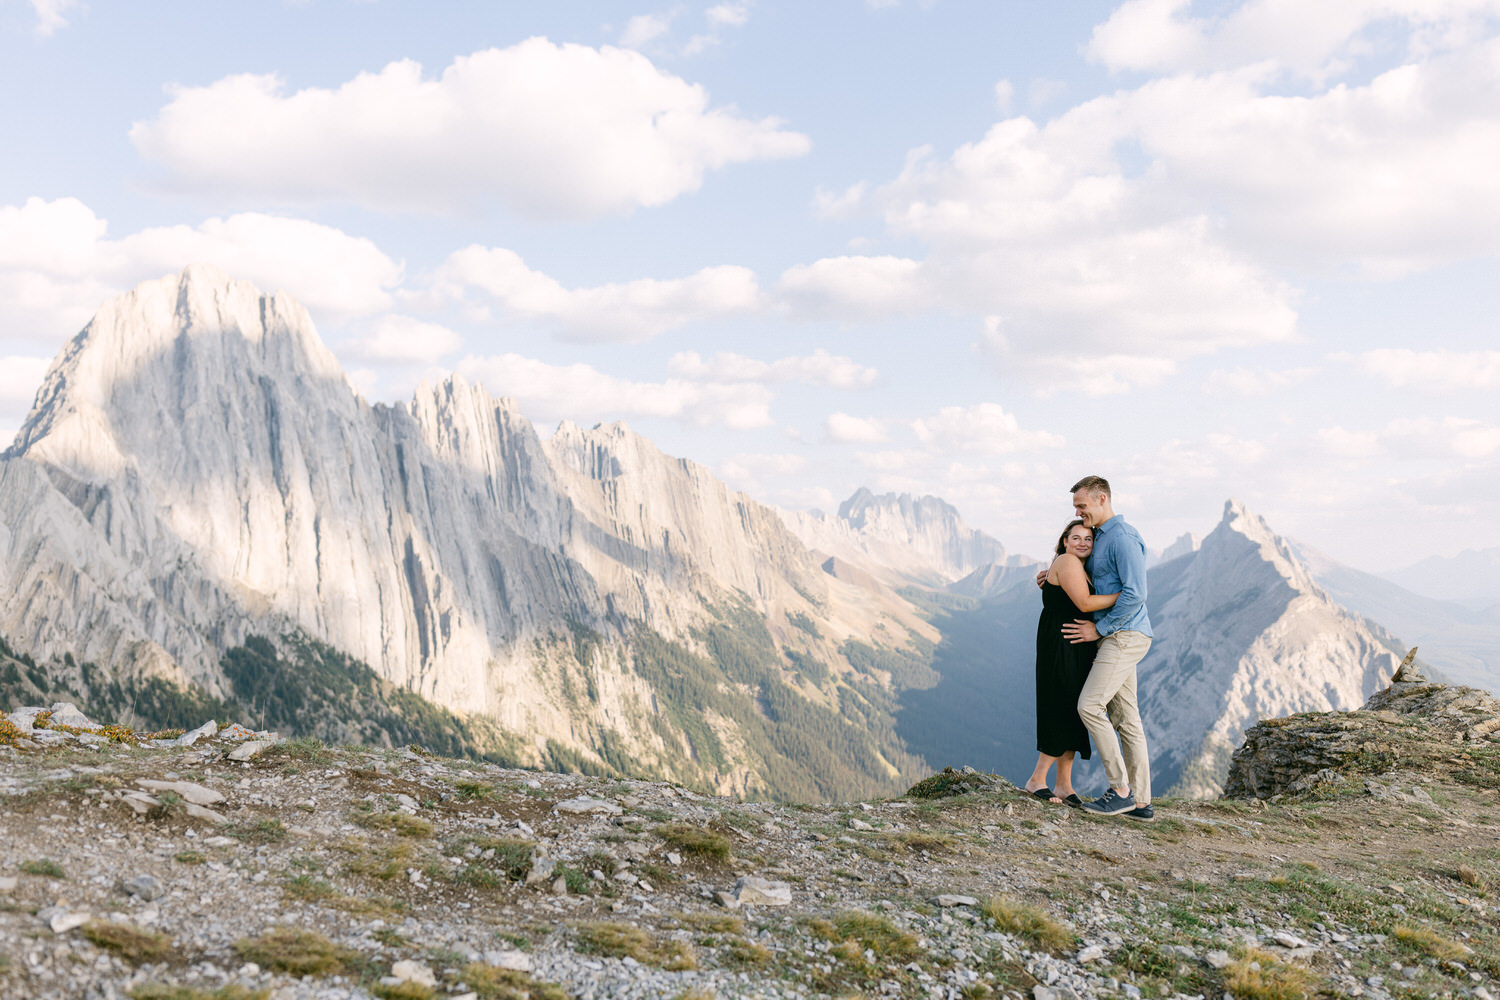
(1123, 632)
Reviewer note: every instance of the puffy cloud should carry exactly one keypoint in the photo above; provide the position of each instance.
(1434, 371)
(818, 368)
(397, 339)
(856, 287)
(57, 263)
(553, 131)
(630, 311)
(747, 471)
(645, 28)
(855, 430)
(1427, 437)
(1313, 40)
(584, 394)
(985, 427)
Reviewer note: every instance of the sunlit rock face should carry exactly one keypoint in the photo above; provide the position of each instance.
(1244, 633)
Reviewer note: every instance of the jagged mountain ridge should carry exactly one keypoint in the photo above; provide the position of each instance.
(1244, 632)
(197, 469)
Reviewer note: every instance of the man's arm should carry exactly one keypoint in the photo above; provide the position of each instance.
(1130, 563)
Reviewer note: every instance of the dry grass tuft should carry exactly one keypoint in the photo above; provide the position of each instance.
(615, 940)
(738, 951)
(400, 823)
(45, 867)
(1259, 975)
(1030, 923)
(162, 991)
(697, 840)
(504, 984)
(293, 951)
(407, 990)
(856, 931)
(713, 923)
(128, 941)
(919, 840)
(1429, 942)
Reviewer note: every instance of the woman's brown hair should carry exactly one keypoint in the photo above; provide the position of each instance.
(1062, 539)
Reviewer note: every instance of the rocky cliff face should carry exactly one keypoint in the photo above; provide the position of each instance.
(1245, 633)
(197, 469)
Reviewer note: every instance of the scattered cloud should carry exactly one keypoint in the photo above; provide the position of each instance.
(51, 15)
(549, 130)
(749, 471)
(57, 263)
(985, 427)
(1241, 381)
(403, 340)
(628, 311)
(720, 17)
(582, 393)
(1005, 95)
(818, 368)
(855, 288)
(846, 429)
(1416, 438)
(839, 204)
(645, 28)
(1433, 371)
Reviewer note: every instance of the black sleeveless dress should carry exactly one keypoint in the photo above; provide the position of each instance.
(1061, 669)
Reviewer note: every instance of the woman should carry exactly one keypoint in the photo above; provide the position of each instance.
(1061, 666)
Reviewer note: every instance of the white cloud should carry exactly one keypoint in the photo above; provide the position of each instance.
(57, 263)
(629, 311)
(855, 287)
(839, 204)
(1340, 442)
(1434, 371)
(818, 368)
(848, 429)
(1427, 437)
(1312, 40)
(51, 14)
(984, 427)
(1005, 95)
(748, 471)
(729, 15)
(397, 339)
(20, 377)
(552, 131)
(584, 394)
(645, 28)
(1241, 381)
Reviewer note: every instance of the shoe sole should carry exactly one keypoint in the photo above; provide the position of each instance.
(1140, 819)
(1088, 807)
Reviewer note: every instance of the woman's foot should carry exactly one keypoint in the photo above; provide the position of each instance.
(1043, 792)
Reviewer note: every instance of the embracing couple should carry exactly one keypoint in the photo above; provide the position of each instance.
(1093, 631)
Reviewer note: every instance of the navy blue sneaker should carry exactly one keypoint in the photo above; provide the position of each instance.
(1111, 803)
(1143, 813)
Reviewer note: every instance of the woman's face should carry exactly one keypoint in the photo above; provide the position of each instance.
(1080, 541)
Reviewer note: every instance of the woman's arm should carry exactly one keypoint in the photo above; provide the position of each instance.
(1075, 583)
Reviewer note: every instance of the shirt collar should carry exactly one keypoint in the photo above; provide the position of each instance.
(1109, 525)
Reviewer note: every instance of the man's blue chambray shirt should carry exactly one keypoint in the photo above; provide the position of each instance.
(1118, 565)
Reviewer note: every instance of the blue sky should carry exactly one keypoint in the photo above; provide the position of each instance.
(974, 249)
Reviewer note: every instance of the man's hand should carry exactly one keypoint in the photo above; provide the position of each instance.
(1041, 578)
(1080, 630)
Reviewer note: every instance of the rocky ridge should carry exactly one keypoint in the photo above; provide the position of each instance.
(309, 871)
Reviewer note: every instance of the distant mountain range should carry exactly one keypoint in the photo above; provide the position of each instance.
(1471, 578)
(201, 511)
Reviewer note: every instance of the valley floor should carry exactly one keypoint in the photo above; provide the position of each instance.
(351, 872)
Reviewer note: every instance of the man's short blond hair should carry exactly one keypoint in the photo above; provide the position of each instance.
(1094, 484)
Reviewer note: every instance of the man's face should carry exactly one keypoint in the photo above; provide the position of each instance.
(1089, 507)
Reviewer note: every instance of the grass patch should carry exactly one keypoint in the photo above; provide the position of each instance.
(505, 984)
(45, 867)
(260, 831)
(697, 840)
(384, 863)
(1259, 975)
(863, 931)
(163, 991)
(295, 952)
(505, 859)
(400, 823)
(309, 889)
(469, 791)
(919, 840)
(128, 941)
(1030, 923)
(1429, 942)
(614, 940)
(738, 951)
(407, 990)
(190, 858)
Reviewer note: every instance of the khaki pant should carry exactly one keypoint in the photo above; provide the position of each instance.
(1107, 703)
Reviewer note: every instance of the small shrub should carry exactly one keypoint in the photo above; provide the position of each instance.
(162, 991)
(505, 984)
(128, 941)
(695, 840)
(45, 867)
(1259, 975)
(614, 940)
(1429, 942)
(1029, 923)
(260, 831)
(293, 951)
